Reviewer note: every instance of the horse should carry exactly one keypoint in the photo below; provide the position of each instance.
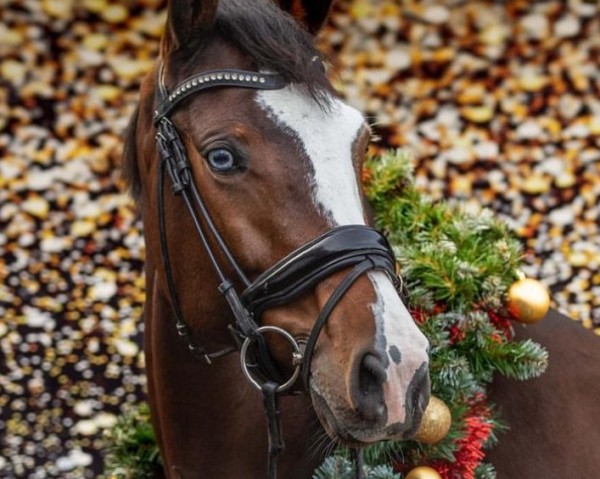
(553, 420)
(265, 285)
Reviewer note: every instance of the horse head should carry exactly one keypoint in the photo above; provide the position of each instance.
(275, 168)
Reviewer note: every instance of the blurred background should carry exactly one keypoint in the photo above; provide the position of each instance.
(497, 102)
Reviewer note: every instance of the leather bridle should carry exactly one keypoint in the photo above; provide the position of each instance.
(353, 246)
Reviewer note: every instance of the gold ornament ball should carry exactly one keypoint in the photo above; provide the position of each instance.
(436, 422)
(528, 301)
(423, 472)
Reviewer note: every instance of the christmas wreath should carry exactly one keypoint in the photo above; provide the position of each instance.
(461, 271)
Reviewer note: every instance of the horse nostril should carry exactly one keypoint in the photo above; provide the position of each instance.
(420, 390)
(371, 376)
(373, 369)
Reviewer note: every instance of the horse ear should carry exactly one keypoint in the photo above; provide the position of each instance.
(185, 17)
(311, 13)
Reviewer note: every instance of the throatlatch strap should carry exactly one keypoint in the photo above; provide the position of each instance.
(173, 158)
(182, 328)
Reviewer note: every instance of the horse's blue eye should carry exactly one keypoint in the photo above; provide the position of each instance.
(221, 160)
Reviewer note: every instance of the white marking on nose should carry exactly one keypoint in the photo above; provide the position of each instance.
(396, 331)
(327, 138)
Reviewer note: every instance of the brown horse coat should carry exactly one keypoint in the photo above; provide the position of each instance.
(296, 153)
(554, 420)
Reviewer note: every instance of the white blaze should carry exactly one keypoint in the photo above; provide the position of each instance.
(327, 137)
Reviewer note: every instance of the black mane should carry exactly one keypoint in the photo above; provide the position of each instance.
(274, 40)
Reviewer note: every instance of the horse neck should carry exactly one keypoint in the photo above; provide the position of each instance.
(209, 420)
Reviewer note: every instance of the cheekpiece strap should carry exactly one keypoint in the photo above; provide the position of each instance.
(212, 79)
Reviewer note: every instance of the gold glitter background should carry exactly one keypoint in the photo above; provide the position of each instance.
(499, 103)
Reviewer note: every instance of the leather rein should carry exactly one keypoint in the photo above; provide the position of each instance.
(357, 246)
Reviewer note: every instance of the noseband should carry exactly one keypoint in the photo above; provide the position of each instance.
(352, 246)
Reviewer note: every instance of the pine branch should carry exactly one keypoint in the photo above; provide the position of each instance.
(132, 451)
(519, 360)
(463, 264)
(485, 471)
(338, 467)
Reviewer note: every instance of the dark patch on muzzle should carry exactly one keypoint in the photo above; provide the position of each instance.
(395, 354)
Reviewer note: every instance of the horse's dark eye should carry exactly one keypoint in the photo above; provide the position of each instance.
(221, 160)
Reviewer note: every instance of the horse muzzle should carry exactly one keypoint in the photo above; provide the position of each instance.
(363, 416)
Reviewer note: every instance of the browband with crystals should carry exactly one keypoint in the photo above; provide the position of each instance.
(211, 79)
